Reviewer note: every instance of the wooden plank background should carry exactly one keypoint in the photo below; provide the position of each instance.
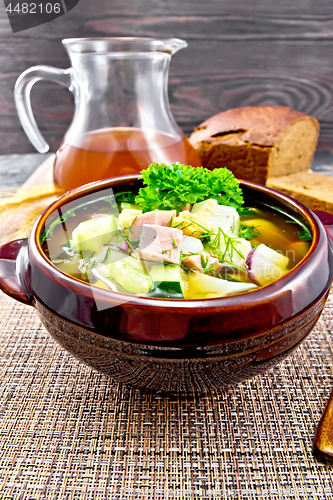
(241, 52)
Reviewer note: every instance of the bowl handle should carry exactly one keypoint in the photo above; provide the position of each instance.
(14, 270)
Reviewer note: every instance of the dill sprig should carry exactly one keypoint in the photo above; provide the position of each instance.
(174, 244)
(230, 245)
(248, 232)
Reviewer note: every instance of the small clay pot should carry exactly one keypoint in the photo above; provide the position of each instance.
(173, 345)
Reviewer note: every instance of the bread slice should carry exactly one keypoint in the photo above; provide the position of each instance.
(257, 142)
(313, 189)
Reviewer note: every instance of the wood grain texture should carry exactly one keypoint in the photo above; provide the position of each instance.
(239, 53)
(16, 169)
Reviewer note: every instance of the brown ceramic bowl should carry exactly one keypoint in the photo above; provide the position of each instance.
(173, 345)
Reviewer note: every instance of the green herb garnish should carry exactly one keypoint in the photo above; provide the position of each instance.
(168, 250)
(230, 243)
(133, 221)
(248, 232)
(305, 234)
(47, 233)
(204, 260)
(174, 244)
(169, 187)
(169, 224)
(68, 244)
(125, 197)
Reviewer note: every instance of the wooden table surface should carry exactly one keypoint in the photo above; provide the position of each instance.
(239, 53)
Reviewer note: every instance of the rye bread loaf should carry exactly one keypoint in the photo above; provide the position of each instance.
(313, 189)
(257, 142)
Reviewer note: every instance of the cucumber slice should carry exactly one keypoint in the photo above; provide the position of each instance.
(127, 215)
(162, 294)
(129, 274)
(124, 205)
(168, 278)
(112, 254)
(92, 234)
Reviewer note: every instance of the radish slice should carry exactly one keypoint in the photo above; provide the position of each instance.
(262, 270)
(121, 245)
(191, 245)
(276, 257)
(110, 252)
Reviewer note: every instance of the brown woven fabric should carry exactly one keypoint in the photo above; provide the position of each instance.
(70, 433)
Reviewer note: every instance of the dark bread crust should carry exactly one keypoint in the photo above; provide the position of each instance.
(257, 125)
(243, 139)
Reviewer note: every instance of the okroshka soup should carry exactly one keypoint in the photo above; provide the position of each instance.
(186, 234)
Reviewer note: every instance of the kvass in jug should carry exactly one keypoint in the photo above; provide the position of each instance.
(122, 121)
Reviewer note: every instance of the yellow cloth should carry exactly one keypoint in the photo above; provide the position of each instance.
(19, 210)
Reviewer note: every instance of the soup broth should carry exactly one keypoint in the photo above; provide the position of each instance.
(114, 258)
(278, 232)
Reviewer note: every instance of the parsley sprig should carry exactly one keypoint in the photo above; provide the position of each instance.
(170, 187)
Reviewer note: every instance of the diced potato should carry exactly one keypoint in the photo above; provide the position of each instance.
(202, 286)
(191, 224)
(215, 215)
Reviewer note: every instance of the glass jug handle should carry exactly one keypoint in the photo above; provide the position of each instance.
(22, 91)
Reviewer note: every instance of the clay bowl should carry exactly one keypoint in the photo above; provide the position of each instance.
(173, 345)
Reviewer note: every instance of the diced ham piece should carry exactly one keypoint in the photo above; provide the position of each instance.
(196, 261)
(160, 243)
(157, 217)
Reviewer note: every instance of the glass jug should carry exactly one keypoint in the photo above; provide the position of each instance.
(122, 121)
